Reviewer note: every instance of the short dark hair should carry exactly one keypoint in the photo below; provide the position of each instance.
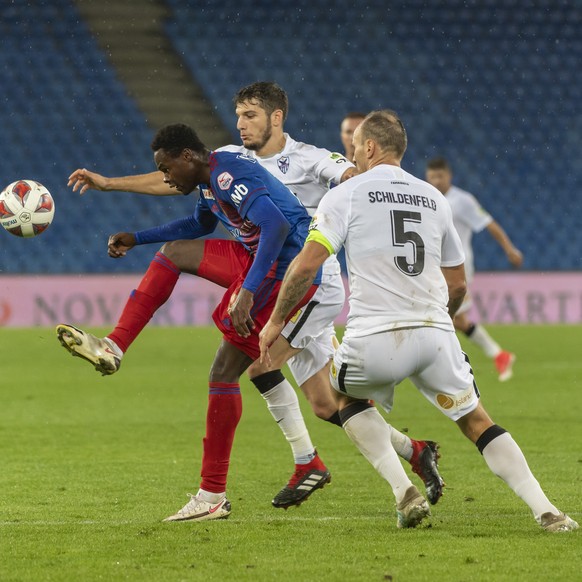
(269, 95)
(355, 115)
(175, 138)
(387, 130)
(438, 163)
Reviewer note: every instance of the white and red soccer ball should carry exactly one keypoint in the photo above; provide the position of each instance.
(26, 208)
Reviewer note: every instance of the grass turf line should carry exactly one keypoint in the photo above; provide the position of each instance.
(90, 466)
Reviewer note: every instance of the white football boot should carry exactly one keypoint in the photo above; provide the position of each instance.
(198, 510)
(101, 352)
(412, 509)
(557, 523)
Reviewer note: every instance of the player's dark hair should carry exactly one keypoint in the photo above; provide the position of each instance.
(386, 129)
(268, 94)
(174, 139)
(438, 163)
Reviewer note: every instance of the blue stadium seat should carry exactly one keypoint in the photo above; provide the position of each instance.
(63, 108)
(488, 84)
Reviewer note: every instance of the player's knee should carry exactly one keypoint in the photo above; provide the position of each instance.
(185, 255)
(228, 365)
(323, 408)
(475, 423)
(170, 251)
(462, 324)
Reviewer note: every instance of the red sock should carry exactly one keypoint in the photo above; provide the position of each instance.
(224, 412)
(153, 291)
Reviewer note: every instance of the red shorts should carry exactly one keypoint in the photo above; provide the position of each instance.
(227, 263)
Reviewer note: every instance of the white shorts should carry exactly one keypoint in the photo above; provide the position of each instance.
(311, 329)
(370, 368)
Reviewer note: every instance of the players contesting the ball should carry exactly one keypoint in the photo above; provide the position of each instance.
(400, 325)
(261, 109)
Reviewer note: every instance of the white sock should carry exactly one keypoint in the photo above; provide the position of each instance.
(371, 434)
(481, 338)
(505, 459)
(401, 443)
(284, 406)
(210, 497)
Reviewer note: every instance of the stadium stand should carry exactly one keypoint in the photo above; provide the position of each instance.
(487, 84)
(63, 108)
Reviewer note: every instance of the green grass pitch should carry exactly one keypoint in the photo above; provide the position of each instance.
(90, 466)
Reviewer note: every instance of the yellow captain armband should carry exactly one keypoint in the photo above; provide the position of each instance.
(316, 236)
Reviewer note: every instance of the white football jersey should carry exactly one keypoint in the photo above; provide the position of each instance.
(468, 217)
(308, 171)
(398, 232)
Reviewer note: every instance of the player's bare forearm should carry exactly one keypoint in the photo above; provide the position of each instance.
(454, 304)
(298, 279)
(82, 180)
(457, 287)
(295, 285)
(152, 184)
(513, 253)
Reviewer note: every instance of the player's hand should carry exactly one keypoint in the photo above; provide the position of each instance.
(118, 244)
(240, 313)
(515, 257)
(267, 337)
(85, 180)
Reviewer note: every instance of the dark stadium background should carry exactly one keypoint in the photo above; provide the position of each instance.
(493, 85)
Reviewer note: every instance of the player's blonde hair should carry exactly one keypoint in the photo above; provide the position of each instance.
(387, 130)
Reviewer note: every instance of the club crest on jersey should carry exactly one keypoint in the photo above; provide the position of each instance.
(283, 163)
(224, 181)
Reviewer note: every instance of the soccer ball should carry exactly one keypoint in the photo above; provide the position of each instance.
(26, 208)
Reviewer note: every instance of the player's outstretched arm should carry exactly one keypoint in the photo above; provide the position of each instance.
(152, 183)
(514, 255)
(298, 279)
(457, 285)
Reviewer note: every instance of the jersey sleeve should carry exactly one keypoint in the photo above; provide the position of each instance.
(474, 214)
(329, 225)
(199, 224)
(328, 167)
(238, 185)
(452, 254)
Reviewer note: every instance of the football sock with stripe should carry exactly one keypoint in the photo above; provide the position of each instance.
(401, 443)
(334, 419)
(480, 337)
(222, 417)
(283, 404)
(504, 457)
(371, 434)
(153, 291)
